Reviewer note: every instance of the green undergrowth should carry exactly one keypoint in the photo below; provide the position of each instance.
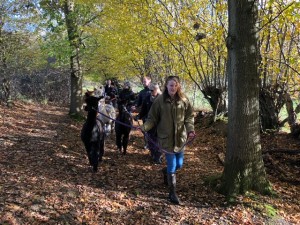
(256, 202)
(77, 117)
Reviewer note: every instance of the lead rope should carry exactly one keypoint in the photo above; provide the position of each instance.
(147, 135)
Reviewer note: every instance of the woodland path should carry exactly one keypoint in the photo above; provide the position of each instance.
(45, 179)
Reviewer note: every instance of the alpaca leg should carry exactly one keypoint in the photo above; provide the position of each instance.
(88, 152)
(112, 126)
(95, 158)
(90, 158)
(125, 143)
(101, 150)
(119, 141)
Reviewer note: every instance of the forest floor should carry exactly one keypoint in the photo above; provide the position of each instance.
(46, 179)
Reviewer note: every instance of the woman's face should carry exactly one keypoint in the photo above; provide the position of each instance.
(154, 92)
(172, 87)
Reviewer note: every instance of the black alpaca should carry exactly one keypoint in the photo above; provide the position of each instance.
(122, 131)
(92, 133)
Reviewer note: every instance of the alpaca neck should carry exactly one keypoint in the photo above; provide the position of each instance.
(91, 117)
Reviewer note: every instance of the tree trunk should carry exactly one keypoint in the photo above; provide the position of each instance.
(244, 168)
(76, 73)
(268, 111)
(292, 116)
(6, 91)
(216, 98)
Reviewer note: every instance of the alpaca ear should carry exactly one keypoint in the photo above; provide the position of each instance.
(88, 93)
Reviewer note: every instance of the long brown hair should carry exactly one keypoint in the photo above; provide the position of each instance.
(179, 94)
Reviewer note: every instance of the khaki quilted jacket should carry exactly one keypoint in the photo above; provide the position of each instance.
(173, 121)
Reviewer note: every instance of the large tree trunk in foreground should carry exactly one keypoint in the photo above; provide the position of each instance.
(76, 73)
(244, 167)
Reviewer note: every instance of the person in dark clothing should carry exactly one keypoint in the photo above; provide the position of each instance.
(151, 134)
(113, 96)
(126, 96)
(142, 95)
(108, 88)
(111, 92)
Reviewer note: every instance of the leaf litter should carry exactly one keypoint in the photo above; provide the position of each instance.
(45, 177)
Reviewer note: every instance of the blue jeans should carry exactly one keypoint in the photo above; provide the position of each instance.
(174, 161)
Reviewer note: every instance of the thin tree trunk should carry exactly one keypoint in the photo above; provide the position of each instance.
(76, 73)
(244, 168)
(292, 116)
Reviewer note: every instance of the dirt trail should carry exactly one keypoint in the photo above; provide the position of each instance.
(45, 179)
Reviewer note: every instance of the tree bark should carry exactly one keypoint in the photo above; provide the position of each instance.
(76, 73)
(268, 111)
(6, 91)
(216, 98)
(244, 167)
(292, 116)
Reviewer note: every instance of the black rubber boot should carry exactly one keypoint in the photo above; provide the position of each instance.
(164, 171)
(172, 186)
(157, 158)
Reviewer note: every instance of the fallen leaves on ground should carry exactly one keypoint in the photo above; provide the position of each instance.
(45, 178)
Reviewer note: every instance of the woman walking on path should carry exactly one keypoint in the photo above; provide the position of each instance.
(172, 114)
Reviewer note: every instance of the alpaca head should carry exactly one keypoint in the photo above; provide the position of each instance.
(91, 101)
